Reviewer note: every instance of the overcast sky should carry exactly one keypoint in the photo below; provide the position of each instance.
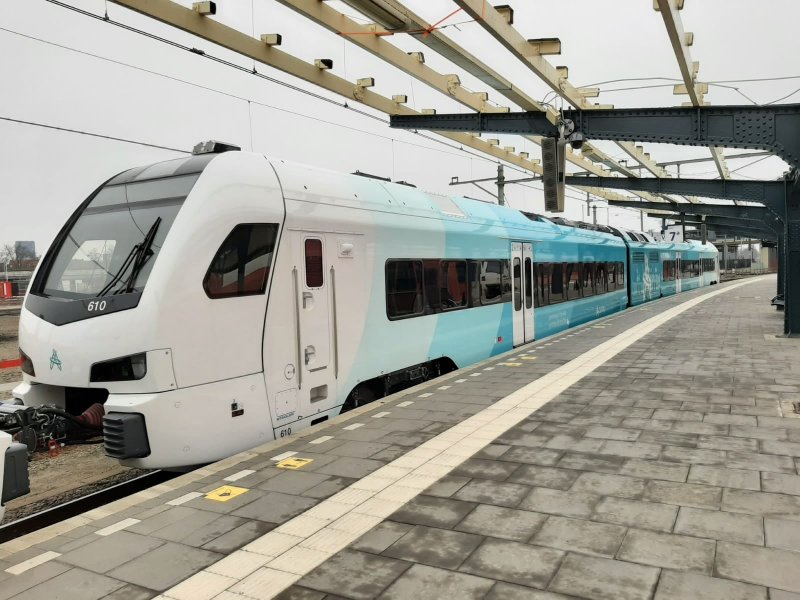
(71, 71)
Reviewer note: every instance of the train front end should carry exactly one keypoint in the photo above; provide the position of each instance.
(133, 326)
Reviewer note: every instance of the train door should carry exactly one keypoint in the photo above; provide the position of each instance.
(522, 291)
(678, 272)
(312, 287)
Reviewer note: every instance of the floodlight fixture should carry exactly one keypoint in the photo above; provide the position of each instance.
(272, 39)
(323, 63)
(205, 8)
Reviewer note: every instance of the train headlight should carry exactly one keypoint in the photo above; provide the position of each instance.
(27, 364)
(126, 368)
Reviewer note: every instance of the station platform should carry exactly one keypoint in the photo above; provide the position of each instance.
(652, 454)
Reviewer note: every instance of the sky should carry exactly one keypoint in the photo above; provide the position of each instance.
(144, 101)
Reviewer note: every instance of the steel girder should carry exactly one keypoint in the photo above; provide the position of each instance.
(770, 193)
(775, 128)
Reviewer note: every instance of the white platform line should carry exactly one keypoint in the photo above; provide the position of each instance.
(406, 403)
(117, 527)
(354, 426)
(321, 440)
(32, 562)
(380, 415)
(185, 498)
(280, 457)
(238, 475)
(361, 506)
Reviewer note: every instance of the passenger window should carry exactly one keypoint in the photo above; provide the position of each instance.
(528, 283)
(588, 279)
(517, 284)
(404, 296)
(505, 280)
(314, 269)
(543, 282)
(573, 281)
(557, 284)
(453, 284)
(430, 276)
(620, 275)
(241, 265)
(491, 283)
(601, 278)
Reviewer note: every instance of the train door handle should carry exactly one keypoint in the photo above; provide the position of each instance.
(310, 353)
(308, 299)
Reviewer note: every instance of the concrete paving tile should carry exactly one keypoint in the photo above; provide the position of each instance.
(782, 448)
(569, 504)
(433, 511)
(381, 537)
(492, 492)
(435, 547)
(110, 552)
(693, 456)
(131, 592)
(238, 537)
(650, 469)
(683, 494)
(575, 444)
(667, 550)
(499, 522)
(646, 424)
(532, 456)
(613, 433)
(781, 483)
(722, 477)
(550, 477)
(769, 567)
(779, 422)
(328, 487)
(422, 581)
(762, 503)
(293, 482)
(720, 525)
(578, 535)
(199, 530)
(351, 467)
(723, 419)
(720, 442)
(485, 469)
(677, 415)
(606, 484)
(635, 513)
(148, 570)
(447, 486)
(670, 438)
(275, 507)
(775, 594)
(782, 534)
(508, 591)
(699, 428)
(604, 579)
(298, 593)
(514, 562)
(75, 584)
(358, 449)
(674, 585)
(585, 462)
(760, 462)
(493, 451)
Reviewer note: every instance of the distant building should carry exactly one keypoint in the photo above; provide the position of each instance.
(25, 250)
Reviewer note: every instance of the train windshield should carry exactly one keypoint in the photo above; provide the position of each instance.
(112, 246)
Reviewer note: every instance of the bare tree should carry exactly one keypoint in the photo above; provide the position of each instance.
(8, 253)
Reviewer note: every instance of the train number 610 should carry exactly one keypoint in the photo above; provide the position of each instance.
(96, 305)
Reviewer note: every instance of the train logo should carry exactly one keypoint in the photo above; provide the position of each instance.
(55, 361)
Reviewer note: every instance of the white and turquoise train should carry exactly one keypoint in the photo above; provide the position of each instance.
(213, 303)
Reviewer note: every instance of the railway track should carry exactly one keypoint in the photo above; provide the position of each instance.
(71, 508)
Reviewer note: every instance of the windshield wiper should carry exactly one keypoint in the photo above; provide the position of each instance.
(120, 272)
(142, 255)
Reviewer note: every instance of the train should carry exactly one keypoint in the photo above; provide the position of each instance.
(201, 306)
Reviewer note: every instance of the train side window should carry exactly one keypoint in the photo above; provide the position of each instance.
(315, 273)
(505, 279)
(474, 269)
(573, 273)
(620, 275)
(528, 283)
(557, 293)
(453, 284)
(241, 265)
(517, 284)
(491, 281)
(601, 278)
(543, 270)
(431, 284)
(404, 297)
(588, 280)
(537, 285)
